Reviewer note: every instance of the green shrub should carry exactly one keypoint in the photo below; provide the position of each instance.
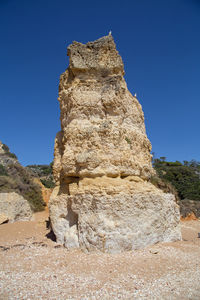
(12, 155)
(184, 177)
(3, 171)
(6, 148)
(173, 164)
(7, 151)
(128, 140)
(34, 196)
(48, 183)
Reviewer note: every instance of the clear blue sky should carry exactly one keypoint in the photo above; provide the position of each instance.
(159, 41)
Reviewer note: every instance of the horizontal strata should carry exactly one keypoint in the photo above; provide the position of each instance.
(102, 164)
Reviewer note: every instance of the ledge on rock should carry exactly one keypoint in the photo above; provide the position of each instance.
(102, 162)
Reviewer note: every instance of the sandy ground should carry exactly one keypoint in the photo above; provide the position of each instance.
(32, 266)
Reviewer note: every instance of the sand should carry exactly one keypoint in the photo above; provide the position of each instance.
(33, 266)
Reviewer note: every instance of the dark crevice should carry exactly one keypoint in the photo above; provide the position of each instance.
(71, 217)
(50, 235)
(123, 176)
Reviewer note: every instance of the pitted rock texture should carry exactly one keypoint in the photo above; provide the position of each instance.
(103, 130)
(14, 208)
(102, 163)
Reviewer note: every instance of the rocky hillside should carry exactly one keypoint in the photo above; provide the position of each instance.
(16, 178)
(44, 173)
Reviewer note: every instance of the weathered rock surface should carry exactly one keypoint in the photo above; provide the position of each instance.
(102, 165)
(14, 207)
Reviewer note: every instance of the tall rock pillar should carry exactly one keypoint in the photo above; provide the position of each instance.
(103, 199)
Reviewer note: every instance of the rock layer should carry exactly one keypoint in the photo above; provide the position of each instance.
(102, 165)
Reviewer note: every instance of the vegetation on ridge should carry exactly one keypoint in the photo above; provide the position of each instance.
(184, 177)
(7, 152)
(44, 172)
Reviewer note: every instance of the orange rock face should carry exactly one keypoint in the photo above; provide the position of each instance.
(46, 193)
(189, 217)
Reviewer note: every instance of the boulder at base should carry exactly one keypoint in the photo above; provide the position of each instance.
(14, 207)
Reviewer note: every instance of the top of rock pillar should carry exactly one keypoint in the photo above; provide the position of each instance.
(103, 131)
(100, 55)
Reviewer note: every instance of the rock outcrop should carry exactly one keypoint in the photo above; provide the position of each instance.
(2, 151)
(16, 178)
(103, 199)
(14, 207)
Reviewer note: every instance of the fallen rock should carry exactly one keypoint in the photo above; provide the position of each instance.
(14, 207)
(154, 251)
(102, 165)
(3, 219)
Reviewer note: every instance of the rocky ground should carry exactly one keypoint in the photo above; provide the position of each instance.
(33, 266)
